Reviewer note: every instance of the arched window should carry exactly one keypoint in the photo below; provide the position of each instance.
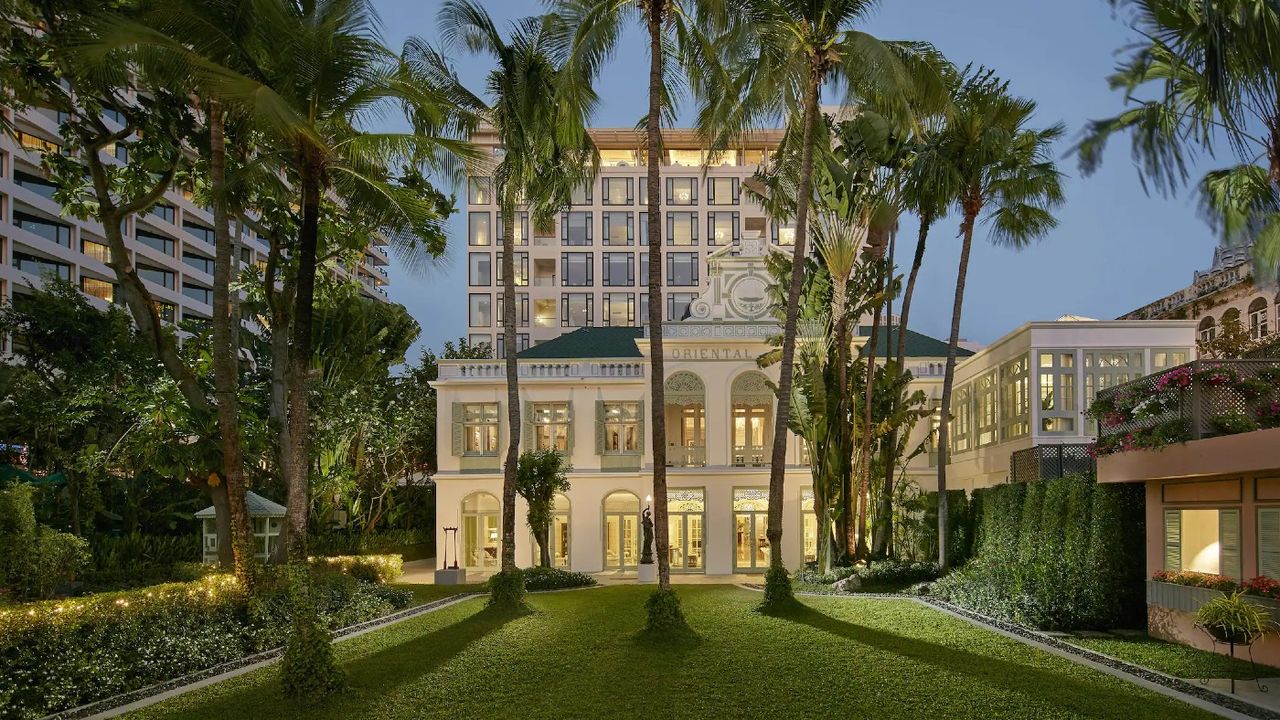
(752, 403)
(480, 531)
(1259, 326)
(686, 413)
(1208, 329)
(557, 536)
(621, 531)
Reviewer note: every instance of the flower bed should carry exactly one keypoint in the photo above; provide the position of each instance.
(60, 654)
(1260, 586)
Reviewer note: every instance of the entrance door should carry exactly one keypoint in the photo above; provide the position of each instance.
(685, 512)
(750, 521)
(480, 534)
(621, 531)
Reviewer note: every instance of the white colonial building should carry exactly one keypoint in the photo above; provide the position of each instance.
(586, 393)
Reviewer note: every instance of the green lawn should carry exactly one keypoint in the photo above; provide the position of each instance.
(576, 658)
(423, 594)
(1172, 659)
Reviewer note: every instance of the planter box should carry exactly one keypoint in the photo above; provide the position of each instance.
(1171, 615)
(1189, 599)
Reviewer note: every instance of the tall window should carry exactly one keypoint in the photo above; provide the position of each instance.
(619, 309)
(551, 426)
(575, 228)
(577, 309)
(722, 191)
(984, 409)
(480, 428)
(617, 191)
(1108, 368)
(478, 230)
(479, 307)
(682, 191)
(1057, 373)
(621, 427)
(678, 305)
(1015, 402)
(521, 267)
(642, 228)
(682, 269)
(576, 270)
(961, 426)
(522, 344)
(522, 309)
(723, 228)
(480, 269)
(682, 228)
(479, 191)
(1208, 329)
(1259, 326)
(581, 194)
(617, 228)
(619, 269)
(521, 236)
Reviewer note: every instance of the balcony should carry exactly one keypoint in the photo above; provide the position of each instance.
(1208, 417)
(750, 456)
(550, 370)
(1044, 462)
(686, 457)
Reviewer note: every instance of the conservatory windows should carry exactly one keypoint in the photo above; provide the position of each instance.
(1015, 401)
(984, 409)
(1057, 373)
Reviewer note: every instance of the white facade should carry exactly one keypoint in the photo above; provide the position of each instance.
(171, 245)
(719, 418)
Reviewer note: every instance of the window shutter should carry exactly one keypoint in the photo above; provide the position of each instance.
(640, 429)
(600, 442)
(526, 422)
(736, 192)
(457, 430)
(1269, 542)
(1173, 540)
(1229, 543)
(568, 441)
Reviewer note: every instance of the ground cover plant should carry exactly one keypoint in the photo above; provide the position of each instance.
(1172, 658)
(577, 655)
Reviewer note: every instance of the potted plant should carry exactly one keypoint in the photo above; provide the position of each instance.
(648, 572)
(1230, 619)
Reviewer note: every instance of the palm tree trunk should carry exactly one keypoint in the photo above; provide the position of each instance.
(279, 302)
(298, 373)
(882, 535)
(868, 402)
(509, 346)
(971, 209)
(226, 362)
(657, 372)
(778, 458)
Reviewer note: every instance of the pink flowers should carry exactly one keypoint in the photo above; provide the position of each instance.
(1178, 378)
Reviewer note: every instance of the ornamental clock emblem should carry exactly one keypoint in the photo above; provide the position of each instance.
(748, 297)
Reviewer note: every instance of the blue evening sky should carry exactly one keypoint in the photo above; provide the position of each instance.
(1115, 249)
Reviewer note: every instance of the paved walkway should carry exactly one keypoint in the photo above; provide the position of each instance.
(423, 572)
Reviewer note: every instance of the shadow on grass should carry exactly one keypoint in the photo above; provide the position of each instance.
(673, 640)
(1036, 683)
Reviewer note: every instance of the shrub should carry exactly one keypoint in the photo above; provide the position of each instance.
(895, 573)
(809, 575)
(778, 595)
(34, 559)
(1055, 554)
(545, 578)
(136, 560)
(59, 654)
(369, 568)
(410, 544)
(663, 614)
(507, 590)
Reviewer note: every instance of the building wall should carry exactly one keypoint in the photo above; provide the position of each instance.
(75, 249)
(546, 288)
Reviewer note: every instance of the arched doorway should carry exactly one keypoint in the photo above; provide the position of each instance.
(686, 415)
(480, 531)
(752, 405)
(686, 515)
(621, 531)
(557, 536)
(750, 521)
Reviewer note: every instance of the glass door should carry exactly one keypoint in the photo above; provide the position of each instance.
(621, 531)
(685, 510)
(750, 522)
(480, 531)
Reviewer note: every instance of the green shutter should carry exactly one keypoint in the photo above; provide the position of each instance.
(640, 429)
(1269, 542)
(457, 430)
(568, 442)
(526, 426)
(1173, 540)
(1229, 543)
(600, 441)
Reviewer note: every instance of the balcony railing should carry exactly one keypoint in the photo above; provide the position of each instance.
(1202, 399)
(750, 456)
(497, 370)
(1044, 462)
(682, 456)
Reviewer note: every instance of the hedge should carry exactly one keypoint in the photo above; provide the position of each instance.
(546, 578)
(134, 560)
(60, 654)
(1055, 554)
(370, 568)
(410, 544)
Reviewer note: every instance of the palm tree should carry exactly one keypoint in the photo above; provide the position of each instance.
(1005, 173)
(775, 63)
(546, 154)
(673, 31)
(1215, 71)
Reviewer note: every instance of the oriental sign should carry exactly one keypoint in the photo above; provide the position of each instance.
(679, 353)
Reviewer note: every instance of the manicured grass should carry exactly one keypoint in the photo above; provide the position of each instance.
(423, 594)
(1171, 658)
(577, 657)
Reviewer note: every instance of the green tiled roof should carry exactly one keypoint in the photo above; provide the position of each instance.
(588, 342)
(918, 345)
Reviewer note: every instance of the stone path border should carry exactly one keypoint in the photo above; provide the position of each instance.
(142, 697)
(1189, 692)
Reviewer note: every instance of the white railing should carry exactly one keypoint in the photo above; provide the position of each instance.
(496, 370)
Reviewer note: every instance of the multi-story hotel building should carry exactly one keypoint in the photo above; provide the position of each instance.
(172, 244)
(1224, 292)
(585, 394)
(591, 269)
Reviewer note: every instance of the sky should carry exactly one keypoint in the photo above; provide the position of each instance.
(1115, 249)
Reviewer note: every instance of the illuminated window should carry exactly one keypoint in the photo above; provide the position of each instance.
(1057, 379)
(612, 157)
(617, 191)
(984, 409)
(682, 228)
(682, 191)
(722, 191)
(1015, 401)
(1202, 540)
(480, 428)
(478, 230)
(551, 426)
(621, 423)
(100, 289)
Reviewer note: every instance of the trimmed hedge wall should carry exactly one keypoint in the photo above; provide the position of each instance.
(1055, 554)
(409, 544)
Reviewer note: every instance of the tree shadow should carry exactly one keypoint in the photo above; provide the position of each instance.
(1036, 683)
